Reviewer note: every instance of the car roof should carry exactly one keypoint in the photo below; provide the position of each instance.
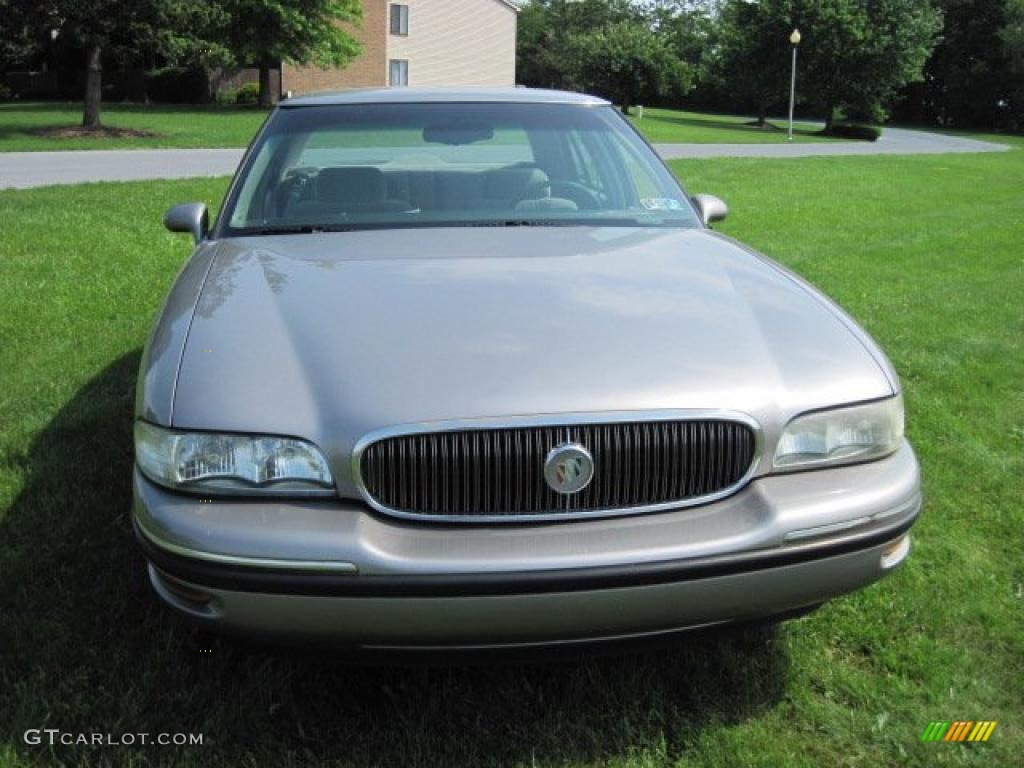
(406, 95)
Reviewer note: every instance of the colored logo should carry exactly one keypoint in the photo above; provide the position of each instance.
(958, 730)
(569, 468)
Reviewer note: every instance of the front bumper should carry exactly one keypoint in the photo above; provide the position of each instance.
(333, 570)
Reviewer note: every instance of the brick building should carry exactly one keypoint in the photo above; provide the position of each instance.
(422, 42)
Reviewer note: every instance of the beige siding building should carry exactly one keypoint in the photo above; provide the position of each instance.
(423, 42)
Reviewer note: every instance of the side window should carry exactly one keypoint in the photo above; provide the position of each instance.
(628, 182)
(248, 206)
(584, 165)
(404, 145)
(645, 185)
(599, 167)
(399, 19)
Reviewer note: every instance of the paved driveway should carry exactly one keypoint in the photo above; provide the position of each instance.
(36, 169)
(893, 141)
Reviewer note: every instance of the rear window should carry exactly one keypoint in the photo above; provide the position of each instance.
(401, 165)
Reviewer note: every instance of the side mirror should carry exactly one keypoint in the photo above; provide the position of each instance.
(711, 208)
(189, 217)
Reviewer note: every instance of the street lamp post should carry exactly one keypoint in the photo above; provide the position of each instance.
(794, 39)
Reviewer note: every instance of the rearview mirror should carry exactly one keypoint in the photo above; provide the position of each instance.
(711, 208)
(189, 217)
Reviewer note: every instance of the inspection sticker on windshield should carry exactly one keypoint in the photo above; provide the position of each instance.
(661, 204)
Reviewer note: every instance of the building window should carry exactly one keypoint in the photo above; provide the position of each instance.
(399, 19)
(398, 72)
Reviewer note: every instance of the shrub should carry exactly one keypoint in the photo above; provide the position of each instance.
(5, 92)
(855, 131)
(178, 85)
(226, 96)
(248, 94)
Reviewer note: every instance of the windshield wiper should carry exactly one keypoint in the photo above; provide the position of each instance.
(524, 223)
(620, 221)
(294, 229)
(309, 229)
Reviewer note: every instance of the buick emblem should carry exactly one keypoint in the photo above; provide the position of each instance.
(569, 468)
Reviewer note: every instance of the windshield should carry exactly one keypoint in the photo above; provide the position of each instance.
(363, 166)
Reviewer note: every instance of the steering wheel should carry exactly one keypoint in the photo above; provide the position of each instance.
(293, 188)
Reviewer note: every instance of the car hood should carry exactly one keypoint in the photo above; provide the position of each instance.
(332, 336)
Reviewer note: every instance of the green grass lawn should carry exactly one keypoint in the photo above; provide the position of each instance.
(936, 275)
(670, 126)
(177, 126)
(210, 126)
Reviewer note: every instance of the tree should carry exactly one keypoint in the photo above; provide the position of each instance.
(753, 54)
(1012, 38)
(126, 29)
(1012, 35)
(855, 54)
(19, 35)
(265, 32)
(547, 29)
(975, 76)
(625, 61)
(689, 29)
(871, 51)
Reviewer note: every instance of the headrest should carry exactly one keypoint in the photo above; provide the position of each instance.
(516, 184)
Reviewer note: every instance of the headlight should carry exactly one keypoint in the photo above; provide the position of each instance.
(841, 435)
(232, 464)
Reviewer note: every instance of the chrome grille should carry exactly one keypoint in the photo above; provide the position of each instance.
(498, 473)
